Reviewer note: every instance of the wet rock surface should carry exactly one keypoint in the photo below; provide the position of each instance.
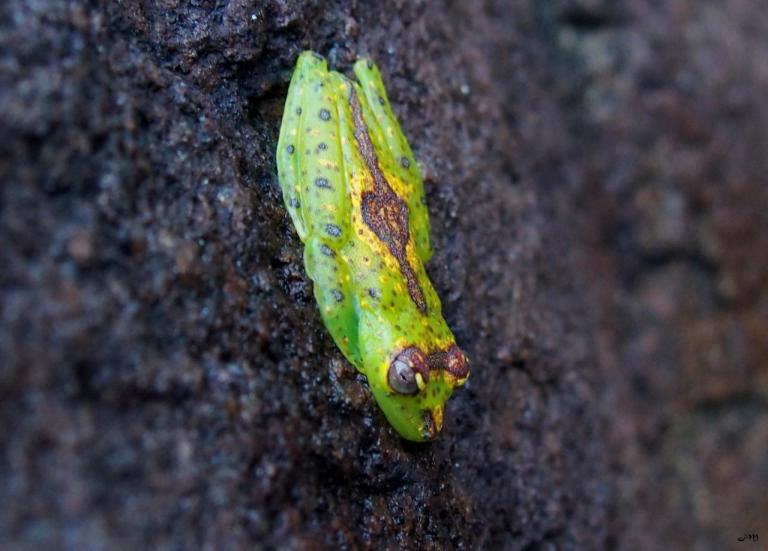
(675, 200)
(597, 192)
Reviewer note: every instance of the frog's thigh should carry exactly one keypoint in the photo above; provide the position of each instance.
(334, 294)
(310, 70)
(395, 155)
(287, 165)
(324, 193)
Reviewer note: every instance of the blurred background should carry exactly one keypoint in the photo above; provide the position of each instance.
(596, 180)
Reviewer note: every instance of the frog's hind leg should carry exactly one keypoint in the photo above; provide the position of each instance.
(310, 70)
(326, 209)
(324, 192)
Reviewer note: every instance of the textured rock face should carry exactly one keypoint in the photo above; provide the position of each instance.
(676, 196)
(596, 182)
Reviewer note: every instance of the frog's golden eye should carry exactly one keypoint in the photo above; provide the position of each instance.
(405, 371)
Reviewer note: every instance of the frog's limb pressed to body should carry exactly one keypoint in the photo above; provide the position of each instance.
(356, 197)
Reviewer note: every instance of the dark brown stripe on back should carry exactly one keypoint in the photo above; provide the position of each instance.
(382, 209)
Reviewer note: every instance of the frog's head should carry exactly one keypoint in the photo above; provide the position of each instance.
(411, 384)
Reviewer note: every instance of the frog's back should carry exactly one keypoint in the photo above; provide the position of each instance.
(356, 198)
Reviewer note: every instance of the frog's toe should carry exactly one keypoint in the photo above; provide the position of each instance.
(433, 422)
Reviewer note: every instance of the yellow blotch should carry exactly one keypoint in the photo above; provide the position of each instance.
(437, 416)
(325, 163)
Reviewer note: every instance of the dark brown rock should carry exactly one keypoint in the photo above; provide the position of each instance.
(595, 174)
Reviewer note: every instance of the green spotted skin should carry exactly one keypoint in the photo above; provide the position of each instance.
(356, 198)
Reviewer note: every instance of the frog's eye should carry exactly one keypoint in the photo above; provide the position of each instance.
(402, 378)
(408, 372)
(451, 360)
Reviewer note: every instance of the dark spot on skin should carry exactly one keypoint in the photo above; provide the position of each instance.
(338, 296)
(374, 294)
(405, 162)
(322, 183)
(298, 110)
(333, 230)
(383, 210)
(369, 64)
(322, 146)
(326, 250)
(294, 202)
(289, 149)
(381, 101)
(325, 115)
